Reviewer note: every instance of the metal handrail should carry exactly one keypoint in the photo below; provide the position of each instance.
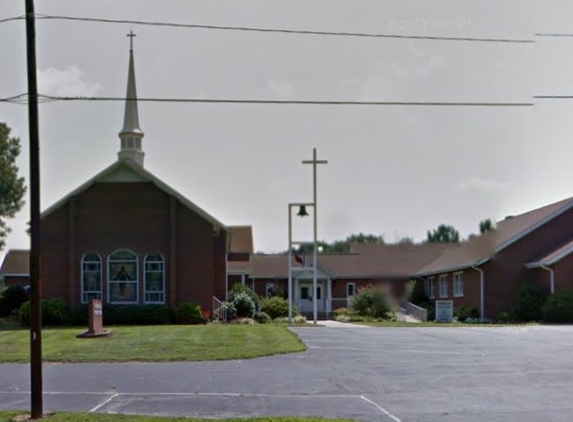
(219, 310)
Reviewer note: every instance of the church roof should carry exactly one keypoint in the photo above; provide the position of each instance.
(135, 173)
(16, 262)
(241, 239)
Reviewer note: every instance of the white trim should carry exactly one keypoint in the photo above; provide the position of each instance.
(145, 291)
(460, 280)
(144, 174)
(82, 262)
(353, 290)
(136, 281)
(443, 278)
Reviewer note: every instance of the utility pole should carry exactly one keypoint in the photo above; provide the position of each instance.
(36, 296)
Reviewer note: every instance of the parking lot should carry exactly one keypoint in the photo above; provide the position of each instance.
(385, 374)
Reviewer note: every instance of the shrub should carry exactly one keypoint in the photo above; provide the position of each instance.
(244, 305)
(244, 321)
(189, 313)
(528, 304)
(418, 295)
(79, 315)
(558, 307)
(506, 316)
(24, 313)
(137, 315)
(372, 301)
(277, 307)
(12, 297)
(263, 318)
(55, 312)
(462, 313)
(243, 289)
(231, 311)
(342, 318)
(341, 311)
(299, 319)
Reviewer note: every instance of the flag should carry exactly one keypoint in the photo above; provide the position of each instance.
(298, 258)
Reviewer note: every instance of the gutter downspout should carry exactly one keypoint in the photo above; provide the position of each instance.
(481, 290)
(552, 272)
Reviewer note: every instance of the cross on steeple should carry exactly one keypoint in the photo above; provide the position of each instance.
(131, 35)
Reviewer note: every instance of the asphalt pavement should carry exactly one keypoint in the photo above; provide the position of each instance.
(415, 374)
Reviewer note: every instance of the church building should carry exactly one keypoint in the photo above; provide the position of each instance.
(125, 237)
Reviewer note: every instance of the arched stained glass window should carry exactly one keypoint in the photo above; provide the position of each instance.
(122, 277)
(154, 279)
(91, 277)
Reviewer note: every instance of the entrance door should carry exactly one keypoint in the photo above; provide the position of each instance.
(305, 295)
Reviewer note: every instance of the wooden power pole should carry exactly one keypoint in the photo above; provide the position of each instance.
(36, 288)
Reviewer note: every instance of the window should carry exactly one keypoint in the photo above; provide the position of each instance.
(430, 287)
(443, 286)
(304, 293)
(270, 289)
(91, 277)
(154, 279)
(122, 277)
(458, 284)
(350, 289)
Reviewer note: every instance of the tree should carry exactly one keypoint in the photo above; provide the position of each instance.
(12, 187)
(444, 234)
(343, 246)
(486, 226)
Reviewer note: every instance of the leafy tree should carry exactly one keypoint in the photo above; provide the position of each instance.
(486, 226)
(342, 246)
(12, 186)
(444, 234)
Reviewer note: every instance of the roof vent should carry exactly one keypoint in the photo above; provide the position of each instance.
(509, 217)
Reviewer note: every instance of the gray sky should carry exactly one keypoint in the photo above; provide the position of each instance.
(397, 171)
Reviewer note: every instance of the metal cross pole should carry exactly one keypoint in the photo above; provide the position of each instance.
(314, 163)
(36, 292)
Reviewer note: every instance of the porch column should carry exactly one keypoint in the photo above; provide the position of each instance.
(329, 295)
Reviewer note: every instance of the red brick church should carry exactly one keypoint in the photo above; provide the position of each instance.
(125, 237)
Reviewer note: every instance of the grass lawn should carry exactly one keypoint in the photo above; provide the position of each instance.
(154, 343)
(92, 417)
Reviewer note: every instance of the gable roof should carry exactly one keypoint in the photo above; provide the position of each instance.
(139, 174)
(16, 262)
(241, 239)
(554, 256)
(481, 249)
(384, 261)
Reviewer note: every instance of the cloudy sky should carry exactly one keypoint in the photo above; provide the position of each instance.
(396, 171)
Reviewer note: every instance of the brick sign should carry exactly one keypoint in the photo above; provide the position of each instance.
(95, 318)
(444, 310)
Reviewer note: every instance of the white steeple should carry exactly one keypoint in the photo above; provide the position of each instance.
(131, 134)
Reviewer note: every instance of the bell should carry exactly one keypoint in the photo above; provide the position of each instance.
(302, 211)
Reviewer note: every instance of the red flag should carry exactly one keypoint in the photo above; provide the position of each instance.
(299, 259)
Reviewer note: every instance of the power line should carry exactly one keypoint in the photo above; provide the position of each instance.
(553, 97)
(554, 35)
(48, 98)
(283, 31)
(15, 18)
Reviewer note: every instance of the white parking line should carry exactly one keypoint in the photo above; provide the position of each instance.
(103, 403)
(390, 415)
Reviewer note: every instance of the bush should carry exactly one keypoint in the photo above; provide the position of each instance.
(79, 316)
(462, 313)
(240, 289)
(528, 304)
(55, 312)
(299, 319)
(11, 298)
(244, 305)
(372, 302)
(418, 295)
(341, 311)
(506, 316)
(244, 321)
(189, 313)
(137, 315)
(277, 307)
(24, 313)
(231, 311)
(558, 307)
(263, 318)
